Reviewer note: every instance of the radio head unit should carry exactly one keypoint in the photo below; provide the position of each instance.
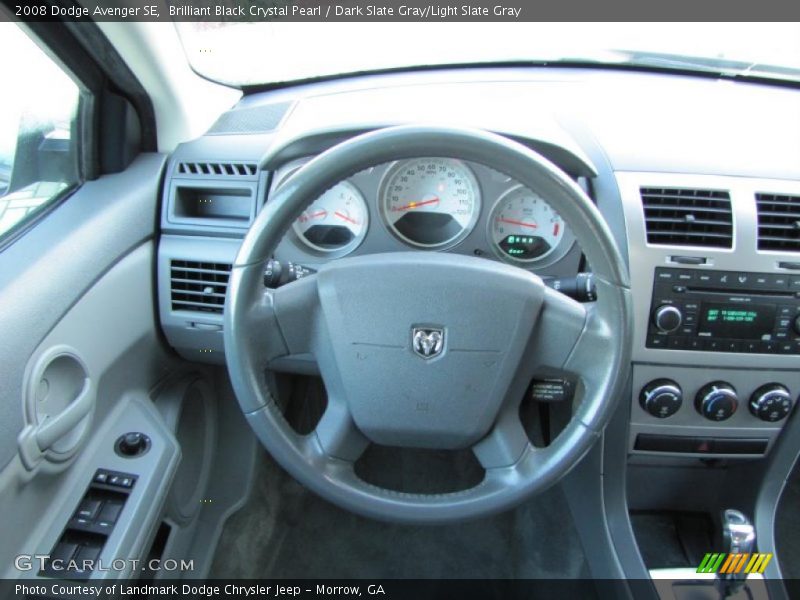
(723, 311)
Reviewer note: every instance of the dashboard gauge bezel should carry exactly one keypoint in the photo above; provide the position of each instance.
(477, 204)
(556, 254)
(301, 241)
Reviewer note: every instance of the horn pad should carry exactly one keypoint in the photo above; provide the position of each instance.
(423, 347)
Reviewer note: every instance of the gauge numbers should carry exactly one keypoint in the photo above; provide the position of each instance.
(430, 203)
(336, 222)
(524, 228)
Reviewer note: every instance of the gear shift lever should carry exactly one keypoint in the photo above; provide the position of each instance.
(739, 537)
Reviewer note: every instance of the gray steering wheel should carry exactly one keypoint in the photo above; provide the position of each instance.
(500, 326)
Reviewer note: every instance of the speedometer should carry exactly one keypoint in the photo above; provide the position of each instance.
(523, 227)
(430, 203)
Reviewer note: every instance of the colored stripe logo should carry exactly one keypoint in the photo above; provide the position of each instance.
(734, 563)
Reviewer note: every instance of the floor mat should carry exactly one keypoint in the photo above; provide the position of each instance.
(286, 531)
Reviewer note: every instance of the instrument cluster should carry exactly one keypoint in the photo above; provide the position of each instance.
(431, 203)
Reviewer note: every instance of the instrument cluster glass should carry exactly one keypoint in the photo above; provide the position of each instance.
(433, 203)
(336, 222)
(430, 203)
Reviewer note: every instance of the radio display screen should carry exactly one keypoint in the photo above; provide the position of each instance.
(742, 322)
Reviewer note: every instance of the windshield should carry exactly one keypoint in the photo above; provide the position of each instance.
(243, 54)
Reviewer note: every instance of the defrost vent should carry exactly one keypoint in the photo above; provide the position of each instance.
(217, 169)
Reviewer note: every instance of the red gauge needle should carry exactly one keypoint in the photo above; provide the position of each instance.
(411, 205)
(320, 213)
(345, 217)
(520, 223)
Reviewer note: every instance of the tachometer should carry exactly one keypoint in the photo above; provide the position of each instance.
(336, 222)
(430, 203)
(523, 227)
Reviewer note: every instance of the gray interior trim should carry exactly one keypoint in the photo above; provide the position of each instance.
(57, 261)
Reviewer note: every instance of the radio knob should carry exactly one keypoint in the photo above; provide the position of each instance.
(771, 402)
(661, 398)
(667, 318)
(796, 324)
(717, 401)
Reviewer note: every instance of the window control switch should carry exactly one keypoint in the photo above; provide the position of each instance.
(110, 511)
(88, 509)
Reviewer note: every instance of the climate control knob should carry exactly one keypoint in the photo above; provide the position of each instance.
(667, 318)
(717, 401)
(661, 398)
(771, 402)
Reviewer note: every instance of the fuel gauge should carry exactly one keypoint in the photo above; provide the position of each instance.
(524, 228)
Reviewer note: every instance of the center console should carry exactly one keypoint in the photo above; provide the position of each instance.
(716, 290)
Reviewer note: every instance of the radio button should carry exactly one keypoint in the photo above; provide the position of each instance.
(723, 279)
(690, 318)
(786, 348)
(780, 281)
(676, 343)
(665, 275)
(752, 347)
(688, 276)
(667, 318)
(794, 284)
(769, 347)
(657, 341)
(694, 344)
(741, 279)
(705, 277)
(730, 346)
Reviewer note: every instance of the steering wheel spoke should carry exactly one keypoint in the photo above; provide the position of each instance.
(296, 308)
(337, 433)
(506, 442)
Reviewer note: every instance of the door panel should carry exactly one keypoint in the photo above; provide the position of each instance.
(81, 285)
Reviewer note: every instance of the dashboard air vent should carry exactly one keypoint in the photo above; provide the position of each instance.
(688, 217)
(778, 222)
(198, 286)
(217, 169)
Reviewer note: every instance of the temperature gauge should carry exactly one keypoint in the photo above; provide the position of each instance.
(523, 227)
(336, 222)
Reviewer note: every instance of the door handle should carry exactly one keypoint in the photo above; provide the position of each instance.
(67, 384)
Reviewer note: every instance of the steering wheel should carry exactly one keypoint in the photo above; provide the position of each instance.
(427, 349)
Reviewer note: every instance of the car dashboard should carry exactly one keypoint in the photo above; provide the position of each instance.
(697, 179)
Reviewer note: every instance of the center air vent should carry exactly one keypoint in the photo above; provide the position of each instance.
(217, 169)
(198, 286)
(778, 222)
(688, 217)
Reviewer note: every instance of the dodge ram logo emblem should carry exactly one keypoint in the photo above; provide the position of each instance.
(427, 341)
